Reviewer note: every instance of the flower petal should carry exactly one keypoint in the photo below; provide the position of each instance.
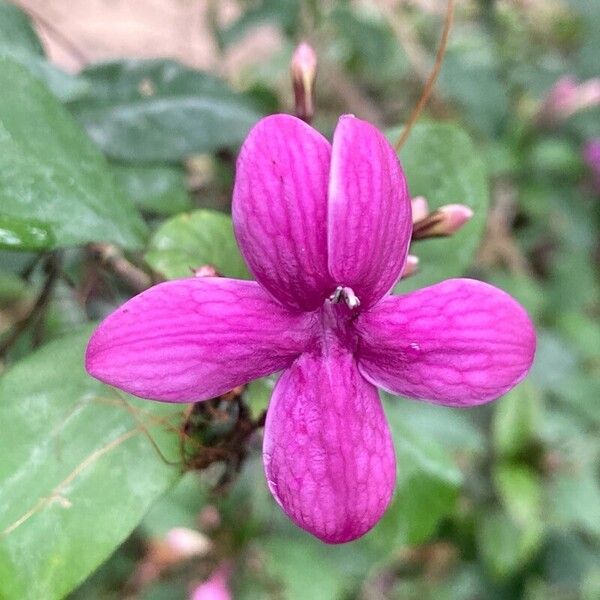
(459, 343)
(194, 339)
(370, 215)
(328, 452)
(280, 209)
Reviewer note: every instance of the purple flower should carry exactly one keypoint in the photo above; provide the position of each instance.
(325, 230)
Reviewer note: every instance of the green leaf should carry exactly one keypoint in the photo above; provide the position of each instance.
(505, 546)
(19, 234)
(427, 483)
(442, 164)
(574, 491)
(516, 420)
(294, 566)
(51, 175)
(521, 493)
(471, 77)
(510, 538)
(188, 241)
(159, 190)
(281, 12)
(180, 507)
(19, 41)
(12, 288)
(159, 110)
(16, 31)
(78, 470)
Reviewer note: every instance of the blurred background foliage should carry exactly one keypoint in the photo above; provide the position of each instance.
(119, 174)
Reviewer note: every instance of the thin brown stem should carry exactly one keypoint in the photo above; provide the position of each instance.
(39, 307)
(112, 257)
(439, 59)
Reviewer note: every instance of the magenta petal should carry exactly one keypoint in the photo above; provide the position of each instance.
(460, 343)
(328, 452)
(194, 339)
(370, 215)
(280, 209)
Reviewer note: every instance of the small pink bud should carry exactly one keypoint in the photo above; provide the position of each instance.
(304, 72)
(444, 221)
(456, 215)
(206, 271)
(185, 543)
(216, 587)
(209, 517)
(411, 266)
(420, 208)
(589, 94)
(566, 97)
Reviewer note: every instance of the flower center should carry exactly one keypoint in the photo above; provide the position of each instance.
(337, 319)
(345, 294)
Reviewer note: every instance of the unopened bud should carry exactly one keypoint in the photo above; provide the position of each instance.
(443, 222)
(411, 266)
(216, 587)
(185, 543)
(420, 208)
(304, 72)
(209, 518)
(206, 271)
(566, 97)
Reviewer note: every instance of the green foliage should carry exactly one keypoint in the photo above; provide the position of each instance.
(442, 164)
(55, 186)
(516, 420)
(159, 190)
(190, 240)
(281, 12)
(500, 502)
(141, 111)
(427, 482)
(19, 41)
(78, 470)
(471, 78)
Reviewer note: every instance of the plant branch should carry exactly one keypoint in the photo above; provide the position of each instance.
(112, 257)
(439, 59)
(39, 306)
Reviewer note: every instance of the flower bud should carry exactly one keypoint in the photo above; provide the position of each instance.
(304, 72)
(420, 208)
(444, 221)
(185, 543)
(206, 271)
(566, 97)
(215, 588)
(411, 266)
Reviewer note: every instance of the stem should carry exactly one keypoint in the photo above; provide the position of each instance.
(108, 254)
(39, 306)
(439, 58)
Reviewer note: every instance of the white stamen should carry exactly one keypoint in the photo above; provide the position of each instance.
(351, 299)
(335, 297)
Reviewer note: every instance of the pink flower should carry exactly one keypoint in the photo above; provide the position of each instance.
(325, 230)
